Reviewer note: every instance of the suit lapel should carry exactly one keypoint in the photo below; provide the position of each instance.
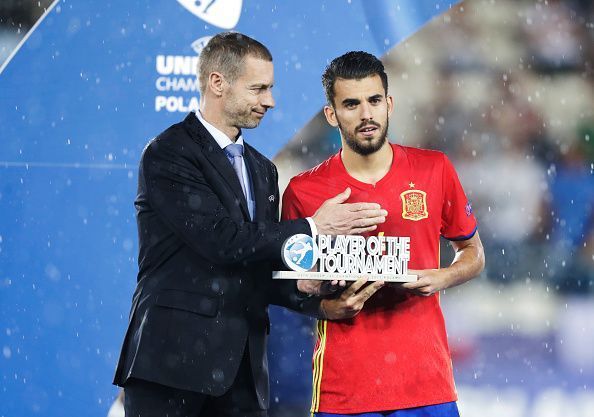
(260, 185)
(216, 156)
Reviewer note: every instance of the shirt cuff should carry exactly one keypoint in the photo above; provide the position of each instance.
(312, 306)
(312, 225)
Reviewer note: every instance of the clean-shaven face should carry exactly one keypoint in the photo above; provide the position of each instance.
(248, 98)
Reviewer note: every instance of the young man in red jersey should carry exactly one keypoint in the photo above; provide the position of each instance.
(392, 359)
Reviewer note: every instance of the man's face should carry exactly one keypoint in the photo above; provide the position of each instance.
(361, 109)
(249, 97)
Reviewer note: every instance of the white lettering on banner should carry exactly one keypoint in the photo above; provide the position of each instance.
(177, 84)
(176, 104)
(177, 64)
(177, 75)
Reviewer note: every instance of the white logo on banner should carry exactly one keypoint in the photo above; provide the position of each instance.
(177, 74)
(222, 13)
(199, 44)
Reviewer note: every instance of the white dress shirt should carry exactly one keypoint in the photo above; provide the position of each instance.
(223, 140)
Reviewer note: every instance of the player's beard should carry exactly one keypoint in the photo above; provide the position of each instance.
(366, 146)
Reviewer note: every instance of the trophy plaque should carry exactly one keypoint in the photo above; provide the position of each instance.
(348, 258)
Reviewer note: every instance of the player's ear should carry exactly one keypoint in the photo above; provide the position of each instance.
(390, 101)
(330, 116)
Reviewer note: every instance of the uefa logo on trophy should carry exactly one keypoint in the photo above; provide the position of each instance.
(300, 252)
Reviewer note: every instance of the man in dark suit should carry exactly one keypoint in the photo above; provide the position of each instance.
(207, 212)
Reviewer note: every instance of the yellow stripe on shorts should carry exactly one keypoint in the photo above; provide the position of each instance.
(318, 365)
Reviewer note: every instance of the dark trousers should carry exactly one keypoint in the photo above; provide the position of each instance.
(148, 399)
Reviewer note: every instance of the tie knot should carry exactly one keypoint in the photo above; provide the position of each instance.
(234, 150)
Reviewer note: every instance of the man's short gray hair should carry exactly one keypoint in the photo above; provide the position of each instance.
(225, 53)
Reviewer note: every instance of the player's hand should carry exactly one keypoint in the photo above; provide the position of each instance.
(351, 301)
(319, 288)
(335, 217)
(429, 282)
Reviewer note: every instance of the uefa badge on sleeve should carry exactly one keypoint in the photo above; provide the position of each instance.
(378, 258)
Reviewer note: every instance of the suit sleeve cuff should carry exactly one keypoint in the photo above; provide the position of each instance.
(312, 226)
(311, 306)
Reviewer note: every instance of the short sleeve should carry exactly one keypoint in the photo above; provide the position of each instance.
(457, 220)
(292, 208)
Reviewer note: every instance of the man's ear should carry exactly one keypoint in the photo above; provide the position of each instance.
(330, 114)
(216, 83)
(390, 101)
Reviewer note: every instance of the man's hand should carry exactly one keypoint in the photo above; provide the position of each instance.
(351, 301)
(429, 282)
(468, 262)
(335, 217)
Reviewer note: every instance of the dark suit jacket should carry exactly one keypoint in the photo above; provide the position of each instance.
(204, 280)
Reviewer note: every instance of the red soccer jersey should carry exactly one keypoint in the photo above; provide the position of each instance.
(394, 354)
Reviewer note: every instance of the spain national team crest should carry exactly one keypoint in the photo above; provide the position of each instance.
(414, 205)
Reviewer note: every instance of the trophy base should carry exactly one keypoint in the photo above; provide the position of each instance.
(330, 276)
